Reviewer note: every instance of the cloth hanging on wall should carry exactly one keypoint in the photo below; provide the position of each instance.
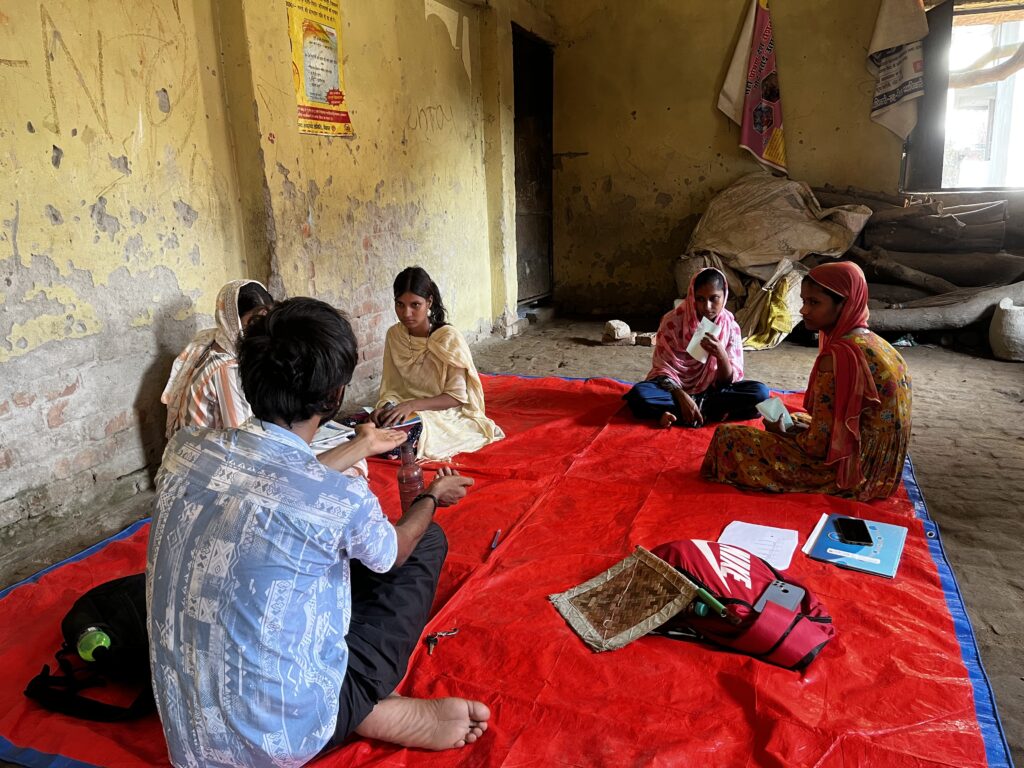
(750, 95)
(896, 59)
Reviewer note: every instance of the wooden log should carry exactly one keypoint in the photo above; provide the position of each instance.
(831, 199)
(908, 212)
(894, 294)
(883, 196)
(880, 262)
(945, 226)
(973, 237)
(959, 314)
(966, 269)
(1015, 233)
(978, 213)
(942, 299)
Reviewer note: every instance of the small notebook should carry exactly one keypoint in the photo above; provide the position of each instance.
(881, 558)
(633, 597)
(774, 409)
(694, 349)
(404, 425)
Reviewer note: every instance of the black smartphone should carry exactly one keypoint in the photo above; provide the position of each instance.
(853, 531)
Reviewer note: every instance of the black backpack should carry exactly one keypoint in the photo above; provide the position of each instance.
(108, 625)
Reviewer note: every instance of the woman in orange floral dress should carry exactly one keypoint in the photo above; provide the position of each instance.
(853, 439)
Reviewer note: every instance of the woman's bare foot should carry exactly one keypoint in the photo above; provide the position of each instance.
(426, 723)
(667, 419)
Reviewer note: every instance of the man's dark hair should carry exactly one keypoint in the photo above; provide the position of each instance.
(295, 360)
(252, 296)
(416, 280)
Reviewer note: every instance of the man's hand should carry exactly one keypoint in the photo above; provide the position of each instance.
(691, 413)
(449, 486)
(375, 440)
(397, 415)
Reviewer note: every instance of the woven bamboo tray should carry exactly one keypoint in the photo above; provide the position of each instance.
(625, 602)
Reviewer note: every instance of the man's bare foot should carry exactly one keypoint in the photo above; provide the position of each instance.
(667, 419)
(426, 723)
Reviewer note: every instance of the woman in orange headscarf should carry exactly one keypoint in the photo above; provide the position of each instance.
(853, 439)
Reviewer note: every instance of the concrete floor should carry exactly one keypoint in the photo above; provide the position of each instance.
(967, 447)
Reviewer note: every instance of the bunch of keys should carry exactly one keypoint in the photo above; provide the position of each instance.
(432, 638)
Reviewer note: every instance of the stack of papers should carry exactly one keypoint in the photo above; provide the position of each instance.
(773, 545)
(330, 435)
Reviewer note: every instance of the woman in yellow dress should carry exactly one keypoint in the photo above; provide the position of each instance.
(429, 372)
(853, 439)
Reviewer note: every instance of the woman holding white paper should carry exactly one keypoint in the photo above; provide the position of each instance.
(853, 439)
(697, 370)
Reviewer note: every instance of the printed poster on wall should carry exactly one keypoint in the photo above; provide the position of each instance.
(750, 95)
(314, 27)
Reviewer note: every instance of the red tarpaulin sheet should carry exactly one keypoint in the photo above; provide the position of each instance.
(574, 487)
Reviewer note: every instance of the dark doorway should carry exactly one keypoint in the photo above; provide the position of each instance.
(533, 72)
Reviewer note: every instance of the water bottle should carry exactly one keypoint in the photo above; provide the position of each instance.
(410, 477)
(90, 640)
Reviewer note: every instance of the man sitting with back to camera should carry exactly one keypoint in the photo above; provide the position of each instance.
(283, 605)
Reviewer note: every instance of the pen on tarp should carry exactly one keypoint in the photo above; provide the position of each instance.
(494, 542)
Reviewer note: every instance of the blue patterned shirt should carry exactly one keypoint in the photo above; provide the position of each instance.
(249, 593)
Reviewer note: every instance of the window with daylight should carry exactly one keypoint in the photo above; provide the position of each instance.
(970, 132)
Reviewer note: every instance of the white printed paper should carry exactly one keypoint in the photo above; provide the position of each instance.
(806, 549)
(694, 349)
(775, 545)
(330, 435)
(774, 409)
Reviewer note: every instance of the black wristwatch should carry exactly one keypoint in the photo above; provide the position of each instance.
(430, 496)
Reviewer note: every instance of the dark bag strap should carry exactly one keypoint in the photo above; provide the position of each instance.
(766, 630)
(59, 693)
(784, 637)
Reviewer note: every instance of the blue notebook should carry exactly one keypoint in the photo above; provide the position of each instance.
(882, 558)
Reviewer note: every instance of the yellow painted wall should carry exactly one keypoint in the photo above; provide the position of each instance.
(115, 150)
(409, 188)
(641, 147)
(150, 153)
(120, 219)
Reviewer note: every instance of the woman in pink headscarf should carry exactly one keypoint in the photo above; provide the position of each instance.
(684, 390)
(853, 439)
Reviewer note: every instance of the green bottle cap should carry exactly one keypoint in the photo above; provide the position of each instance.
(700, 608)
(91, 639)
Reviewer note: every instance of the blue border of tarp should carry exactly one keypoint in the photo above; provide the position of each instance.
(25, 755)
(997, 750)
(80, 556)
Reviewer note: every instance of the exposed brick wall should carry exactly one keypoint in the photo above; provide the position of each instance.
(81, 423)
